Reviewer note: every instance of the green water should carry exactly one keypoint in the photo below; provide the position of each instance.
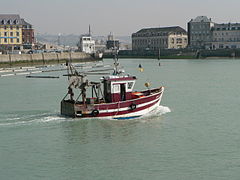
(198, 139)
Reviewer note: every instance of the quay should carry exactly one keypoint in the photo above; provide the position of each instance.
(7, 60)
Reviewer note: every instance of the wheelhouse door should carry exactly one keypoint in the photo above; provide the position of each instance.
(122, 92)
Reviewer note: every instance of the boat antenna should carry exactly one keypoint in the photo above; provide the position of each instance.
(116, 70)
(115, 57)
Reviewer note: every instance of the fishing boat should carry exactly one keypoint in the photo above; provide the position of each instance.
(113, 97)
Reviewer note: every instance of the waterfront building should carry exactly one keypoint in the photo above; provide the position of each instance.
(200, 32)
(10, 31)
(226, 36)
(86, 44)
(14, 32)
(28, 38)
(203, 33)
(159, 38)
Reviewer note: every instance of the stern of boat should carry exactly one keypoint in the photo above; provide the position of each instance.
(67, 108)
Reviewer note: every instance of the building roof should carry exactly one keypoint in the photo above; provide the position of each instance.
(25, 23)
(9, 19)
(201, 19)
(163, 29)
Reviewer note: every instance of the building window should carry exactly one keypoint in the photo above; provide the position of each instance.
(17, 40)
(11, 27)
(17, 33)
(17, 27)
(5, 33)
(11, 40)
(5, 40)
(11, 33)
(5, 27)
(179, 40)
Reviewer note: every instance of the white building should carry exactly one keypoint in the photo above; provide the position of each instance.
(87, 44)
(226, 36)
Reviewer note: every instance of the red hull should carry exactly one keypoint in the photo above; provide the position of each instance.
(136, 106)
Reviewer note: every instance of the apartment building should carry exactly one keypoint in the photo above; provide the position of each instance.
(200, 32)
(10, 30)
(203, 33)
(226, 36)
(28, 37)
(13, 32)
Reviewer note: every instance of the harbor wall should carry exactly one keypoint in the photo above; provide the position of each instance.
(11, 58)
(164, 54)
(178, 54)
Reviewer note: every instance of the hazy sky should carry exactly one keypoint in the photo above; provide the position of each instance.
(122, 17)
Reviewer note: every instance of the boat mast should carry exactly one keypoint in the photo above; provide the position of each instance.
(116, 64)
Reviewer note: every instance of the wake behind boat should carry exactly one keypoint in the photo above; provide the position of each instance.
(113, 97)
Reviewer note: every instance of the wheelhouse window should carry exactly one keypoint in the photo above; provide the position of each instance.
(130, 85)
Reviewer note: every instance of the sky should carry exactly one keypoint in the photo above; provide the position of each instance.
(121, 17)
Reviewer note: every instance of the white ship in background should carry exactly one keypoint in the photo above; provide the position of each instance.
(87, 45)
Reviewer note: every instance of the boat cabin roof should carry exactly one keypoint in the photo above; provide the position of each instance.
(119, 78)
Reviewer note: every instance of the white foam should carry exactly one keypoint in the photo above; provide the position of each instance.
(160, 110)
(163, 109)
(51, 118)
(7, 75)
(31, 119)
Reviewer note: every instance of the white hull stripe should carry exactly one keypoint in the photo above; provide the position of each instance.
(128, 108)
(141, 112)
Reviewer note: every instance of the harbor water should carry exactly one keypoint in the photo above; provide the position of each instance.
(194, 134)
